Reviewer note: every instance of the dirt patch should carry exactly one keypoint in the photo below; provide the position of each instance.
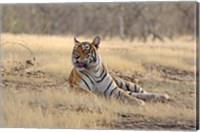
(26, 73)
(163, 72)
(171, 73)
(152, 124)
(140, 122)
(27, 68)
(134, 77)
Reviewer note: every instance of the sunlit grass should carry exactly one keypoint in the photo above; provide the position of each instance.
(54, 53)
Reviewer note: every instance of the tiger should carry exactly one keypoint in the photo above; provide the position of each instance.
(90, 74)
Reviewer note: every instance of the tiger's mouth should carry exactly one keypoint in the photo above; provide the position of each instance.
(81, 65)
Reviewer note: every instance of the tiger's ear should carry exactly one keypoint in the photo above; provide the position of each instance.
(76, 41)
(96, 41)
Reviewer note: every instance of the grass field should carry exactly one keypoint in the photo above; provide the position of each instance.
(35, 92)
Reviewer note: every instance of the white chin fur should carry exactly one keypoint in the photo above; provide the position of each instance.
(80, 68)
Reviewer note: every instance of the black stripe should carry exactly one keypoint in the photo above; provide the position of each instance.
(121, 84)
(84, 82)
(101, 74)
(98, 69)
(102, 78)
(118, 83)
(108, 87)
(112, 91)
(94, 56)
(127, 86)
(135, 88)
(118, 94)
(88, 77)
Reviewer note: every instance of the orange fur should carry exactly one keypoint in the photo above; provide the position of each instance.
(73, 78)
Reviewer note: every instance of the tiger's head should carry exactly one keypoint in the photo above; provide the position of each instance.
(84, 55)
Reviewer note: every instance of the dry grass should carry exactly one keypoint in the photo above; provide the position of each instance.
(178, 54)
(50, 108)
(26, 104)
(56, 108)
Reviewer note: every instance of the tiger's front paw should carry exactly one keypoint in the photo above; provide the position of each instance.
(162, 97)
(153, 97)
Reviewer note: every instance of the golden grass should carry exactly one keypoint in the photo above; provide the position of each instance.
(50, 108)
(113, 52)
(57, 107)
(166, 112)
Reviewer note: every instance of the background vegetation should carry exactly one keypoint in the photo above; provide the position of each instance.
(126, 20)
